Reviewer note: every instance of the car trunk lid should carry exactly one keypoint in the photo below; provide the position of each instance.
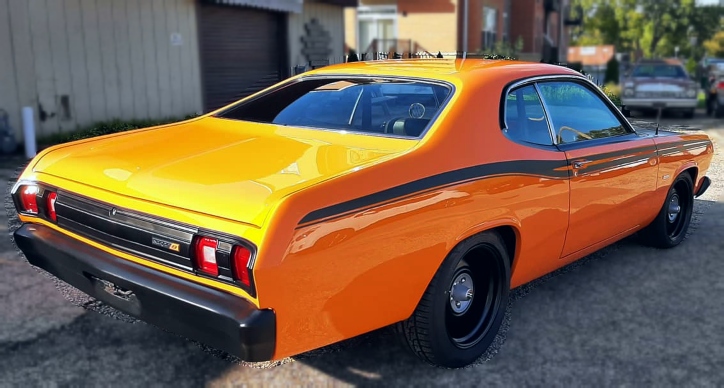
(224, 168)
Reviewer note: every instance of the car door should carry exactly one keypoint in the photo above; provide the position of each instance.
(612, 169)
(542, 208)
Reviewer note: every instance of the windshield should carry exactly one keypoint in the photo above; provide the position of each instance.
(376, 106)
(671, 71)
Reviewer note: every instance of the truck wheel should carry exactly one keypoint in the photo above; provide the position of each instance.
(462, 309)
(671, 224)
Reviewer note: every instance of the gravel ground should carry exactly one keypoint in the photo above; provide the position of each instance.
(626, 316)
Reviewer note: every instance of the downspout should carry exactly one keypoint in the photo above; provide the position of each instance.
(465, 29)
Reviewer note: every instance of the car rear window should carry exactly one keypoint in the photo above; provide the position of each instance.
(382, 106)
(671, 71)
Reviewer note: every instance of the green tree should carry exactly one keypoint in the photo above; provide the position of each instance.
(715, 46)
(651, 27)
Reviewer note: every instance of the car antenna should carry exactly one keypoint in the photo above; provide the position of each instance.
(658, 119)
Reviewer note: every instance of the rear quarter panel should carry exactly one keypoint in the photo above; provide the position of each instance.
(365, 260)
(680, 152)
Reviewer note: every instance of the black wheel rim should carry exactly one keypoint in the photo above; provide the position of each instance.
(677, 210)
(467, 324)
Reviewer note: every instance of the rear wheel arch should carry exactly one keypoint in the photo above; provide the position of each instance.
(507, 229)
(510, 236)
(452, 339)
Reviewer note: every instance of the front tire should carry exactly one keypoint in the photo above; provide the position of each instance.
(463, 308)
(671, 224)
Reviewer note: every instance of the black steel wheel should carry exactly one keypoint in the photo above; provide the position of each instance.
(671, 224)
(463, 307)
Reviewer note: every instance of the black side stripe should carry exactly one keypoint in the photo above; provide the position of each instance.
(552, 169)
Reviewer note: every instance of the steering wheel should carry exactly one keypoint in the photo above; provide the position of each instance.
(567, 128)
(387, 128)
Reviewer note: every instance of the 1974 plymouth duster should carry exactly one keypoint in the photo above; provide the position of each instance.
(413, 193)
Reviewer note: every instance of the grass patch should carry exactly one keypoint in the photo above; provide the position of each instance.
(104, 128)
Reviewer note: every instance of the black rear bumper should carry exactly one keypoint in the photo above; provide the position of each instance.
(213, 317)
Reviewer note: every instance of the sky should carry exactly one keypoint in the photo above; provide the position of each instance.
(707, 2)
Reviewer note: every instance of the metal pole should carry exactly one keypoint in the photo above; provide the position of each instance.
(465, 29)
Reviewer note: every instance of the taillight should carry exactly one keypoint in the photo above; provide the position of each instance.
(50, 204)
(240, 257)
(224, 259)
(205, 255)
(29, 199)
(720, 85)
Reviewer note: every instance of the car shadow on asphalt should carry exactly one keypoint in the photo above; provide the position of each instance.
(626, 314)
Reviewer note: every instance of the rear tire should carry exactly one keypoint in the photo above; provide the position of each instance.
(463, 308)
(671, 224)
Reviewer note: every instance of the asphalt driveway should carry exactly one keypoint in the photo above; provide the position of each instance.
(625, 316)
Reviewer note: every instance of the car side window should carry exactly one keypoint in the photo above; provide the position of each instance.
(578, 114)
(525, 118)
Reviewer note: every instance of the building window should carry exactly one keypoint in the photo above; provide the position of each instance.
(490, 27)
(376, 28)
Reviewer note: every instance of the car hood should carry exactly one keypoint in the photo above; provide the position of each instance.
(223, 168)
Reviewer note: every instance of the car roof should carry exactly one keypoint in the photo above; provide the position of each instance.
(445, 69)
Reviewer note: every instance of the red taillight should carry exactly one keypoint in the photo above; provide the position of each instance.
(51, 206)
(720, 85)
(240, 257)
(205, 256)
(29, 199)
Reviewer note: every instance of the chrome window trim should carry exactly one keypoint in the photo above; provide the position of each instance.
(548, 116)
(567, 77)
(545, 113)
(445, 105)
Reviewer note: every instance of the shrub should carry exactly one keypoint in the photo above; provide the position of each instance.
(612, 70)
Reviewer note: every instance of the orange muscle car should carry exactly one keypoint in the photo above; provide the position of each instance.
(413, 193)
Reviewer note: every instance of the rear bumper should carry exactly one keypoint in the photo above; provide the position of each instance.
(651, 103)
(213, 317)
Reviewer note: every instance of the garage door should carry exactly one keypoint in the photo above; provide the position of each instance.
(241, 52)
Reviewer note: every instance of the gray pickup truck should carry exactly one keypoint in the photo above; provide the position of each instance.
(660, 83)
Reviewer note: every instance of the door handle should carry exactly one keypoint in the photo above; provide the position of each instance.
(580, 163)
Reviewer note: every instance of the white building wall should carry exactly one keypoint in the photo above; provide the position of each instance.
(109, 59)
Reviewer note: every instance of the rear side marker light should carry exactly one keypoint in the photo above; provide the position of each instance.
(205, 256)
(29, 199)
(52, 197)
(240, 257)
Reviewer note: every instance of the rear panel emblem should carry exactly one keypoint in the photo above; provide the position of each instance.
(165, 244)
